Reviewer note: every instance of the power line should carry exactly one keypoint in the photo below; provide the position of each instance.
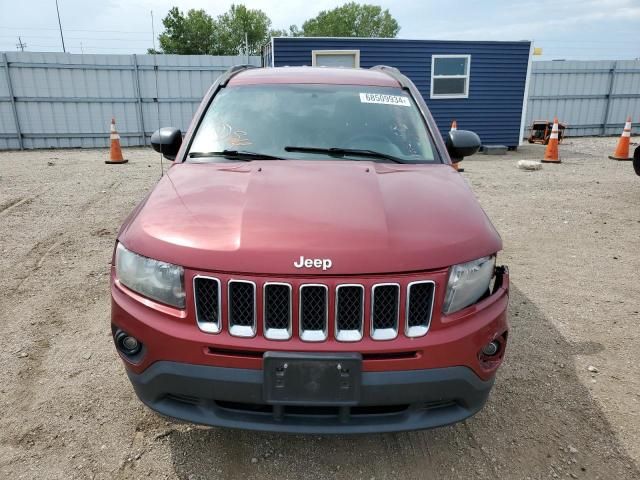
(113, 39)
(90, 47)
(537, 41)
(137, 32)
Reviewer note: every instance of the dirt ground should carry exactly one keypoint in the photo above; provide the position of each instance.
(571, 235)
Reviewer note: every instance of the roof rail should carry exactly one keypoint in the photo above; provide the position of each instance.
(394, 73)
(232, 72)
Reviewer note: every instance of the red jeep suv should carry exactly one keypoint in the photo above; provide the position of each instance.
(311, 262)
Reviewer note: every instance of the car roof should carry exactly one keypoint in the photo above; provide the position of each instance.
(315, 75)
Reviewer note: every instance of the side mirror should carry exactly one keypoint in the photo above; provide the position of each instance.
(462, 143)
(167, 141)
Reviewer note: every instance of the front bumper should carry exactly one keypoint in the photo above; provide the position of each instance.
(456, 340)
(406, 383)
(390, 401)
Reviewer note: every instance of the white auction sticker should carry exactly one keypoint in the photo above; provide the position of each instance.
(384, 99)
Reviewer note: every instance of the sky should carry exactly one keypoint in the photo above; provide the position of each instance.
(565, 29)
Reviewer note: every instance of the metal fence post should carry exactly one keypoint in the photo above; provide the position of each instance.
(612, 78)
(13, 100)
(136, 72)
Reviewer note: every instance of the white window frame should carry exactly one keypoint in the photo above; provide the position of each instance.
(466, 76)
(317, 53)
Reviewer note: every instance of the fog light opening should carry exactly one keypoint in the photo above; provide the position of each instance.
(127, 344)
(490, 356)
(491, 348)
(130, 344)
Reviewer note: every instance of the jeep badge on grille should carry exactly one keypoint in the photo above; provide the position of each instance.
(324, 263)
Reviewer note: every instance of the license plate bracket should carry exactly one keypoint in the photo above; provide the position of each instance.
(312, 379)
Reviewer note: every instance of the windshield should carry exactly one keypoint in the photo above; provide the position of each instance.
(300, 121)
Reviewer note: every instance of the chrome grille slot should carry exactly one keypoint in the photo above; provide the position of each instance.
(349, 312)
(277, 311)
(313, 312)
(242, 308)
(420, 297)
(385, 305)
(206, 293)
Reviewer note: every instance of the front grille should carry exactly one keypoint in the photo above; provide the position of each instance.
(207, 302)
(348, 306)
(385, 303)
(242, 308)
(419, 308)
(313, 312)
(277, 311)
(349, 312)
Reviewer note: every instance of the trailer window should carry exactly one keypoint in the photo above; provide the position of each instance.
(336, 58)
(450, 76)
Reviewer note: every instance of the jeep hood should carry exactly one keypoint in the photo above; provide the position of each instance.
(262, 216)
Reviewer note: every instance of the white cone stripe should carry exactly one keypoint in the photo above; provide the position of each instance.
(555, 128)
(114, 136)
(626, 134)
(113, 128)
(627, 126)
(554, 135)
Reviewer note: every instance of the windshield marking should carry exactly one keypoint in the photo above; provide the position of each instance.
(383, 99)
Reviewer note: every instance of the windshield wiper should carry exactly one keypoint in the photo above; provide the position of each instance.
(341, 152)
(235, 155)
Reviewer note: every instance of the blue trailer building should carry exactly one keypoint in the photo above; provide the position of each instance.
(482, 85)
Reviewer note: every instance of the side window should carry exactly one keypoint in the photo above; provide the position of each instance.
(450, 76)
(335, 58)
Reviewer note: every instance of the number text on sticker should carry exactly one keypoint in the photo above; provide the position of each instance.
(385, 99)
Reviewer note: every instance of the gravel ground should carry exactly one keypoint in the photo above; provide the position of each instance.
(571, 235)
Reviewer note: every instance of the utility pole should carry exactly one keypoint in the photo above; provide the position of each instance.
(153, 33)
(246, 45)
(60, 25)
(20, 45)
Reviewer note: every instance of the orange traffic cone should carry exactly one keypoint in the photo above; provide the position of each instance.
(551, 152)
(115, 153)
(454, 126)
(622, 150)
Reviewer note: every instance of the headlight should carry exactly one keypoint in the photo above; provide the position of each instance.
(157, 280)
(468, 282)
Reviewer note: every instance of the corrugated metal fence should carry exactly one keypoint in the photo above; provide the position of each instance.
(593, 98)
(63, 100)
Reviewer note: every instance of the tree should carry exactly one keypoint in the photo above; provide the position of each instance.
(197, 33)
(193, 34)
(235, 24)
(352, 20)
(293, 31)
